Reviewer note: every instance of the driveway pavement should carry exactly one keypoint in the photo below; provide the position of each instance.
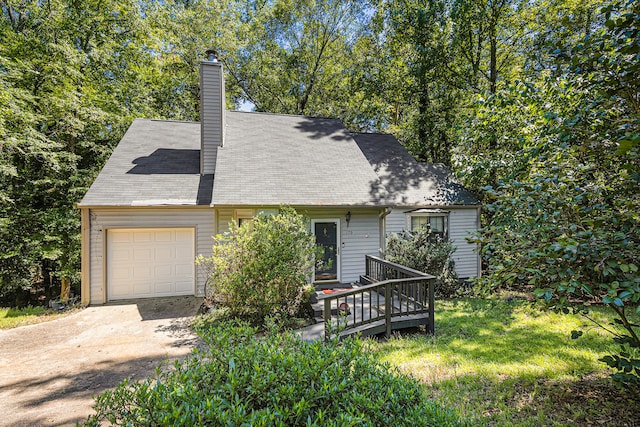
(50, 372)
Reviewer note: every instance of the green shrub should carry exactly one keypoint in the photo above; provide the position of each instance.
(277, 380)
(426, 252)
(262, 267)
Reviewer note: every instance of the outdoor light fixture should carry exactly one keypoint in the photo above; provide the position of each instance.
(348, 217)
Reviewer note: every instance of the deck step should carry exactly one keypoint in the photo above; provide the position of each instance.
(366, 280)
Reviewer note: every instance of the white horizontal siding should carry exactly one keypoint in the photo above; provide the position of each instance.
(360, 238)
(395, 221)
(202, 220)
(462, 222)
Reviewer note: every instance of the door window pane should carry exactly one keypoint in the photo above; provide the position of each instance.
(327, 238)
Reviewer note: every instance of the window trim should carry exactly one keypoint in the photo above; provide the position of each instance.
(240, 215)
(428, 213)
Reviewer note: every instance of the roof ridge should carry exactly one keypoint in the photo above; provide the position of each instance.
(167, 120)
(266, 113)
(374, 133)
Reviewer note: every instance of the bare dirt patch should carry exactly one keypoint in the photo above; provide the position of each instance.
(51, 371)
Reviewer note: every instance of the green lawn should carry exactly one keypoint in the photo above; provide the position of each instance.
(509, 364)
(14, 317)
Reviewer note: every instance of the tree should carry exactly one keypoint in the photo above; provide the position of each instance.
(296, 59)
(564, 204)
(69, 92)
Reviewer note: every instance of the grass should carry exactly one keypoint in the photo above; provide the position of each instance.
(511, 364)
(14, 317)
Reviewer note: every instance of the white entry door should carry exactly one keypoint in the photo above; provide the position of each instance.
(150, 262)
(327, 232)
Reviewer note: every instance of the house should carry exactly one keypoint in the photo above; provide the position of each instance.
(169, 186)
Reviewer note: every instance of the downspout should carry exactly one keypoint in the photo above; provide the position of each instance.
(383, 230)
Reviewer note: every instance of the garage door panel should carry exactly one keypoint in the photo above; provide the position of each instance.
(142, 288)
(144, 263)
(164, 287)
(121, 255)
(143, 255)
(182, 269)
(142, 236)
(184, 288)
(165, 254)
(183, 236)
(163, 236)
(121, 238)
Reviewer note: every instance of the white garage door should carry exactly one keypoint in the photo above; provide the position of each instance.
(150, 262)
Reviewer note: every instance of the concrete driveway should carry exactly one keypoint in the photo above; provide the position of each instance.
(51, 371)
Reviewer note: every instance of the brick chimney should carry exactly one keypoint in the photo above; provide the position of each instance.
(212, 111)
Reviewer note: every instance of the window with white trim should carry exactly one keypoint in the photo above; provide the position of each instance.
(435, 219)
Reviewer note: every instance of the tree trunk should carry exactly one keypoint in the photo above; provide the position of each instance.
(493, 64)
(66, 289)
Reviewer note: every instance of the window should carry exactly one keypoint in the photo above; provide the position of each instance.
(243, 215)
(436, 219)
(243, 221)
(246, 215)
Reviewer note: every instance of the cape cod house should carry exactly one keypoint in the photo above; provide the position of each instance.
(169, 186)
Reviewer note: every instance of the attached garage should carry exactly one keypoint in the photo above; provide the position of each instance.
(150, 262)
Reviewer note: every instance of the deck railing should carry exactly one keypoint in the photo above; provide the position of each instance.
(399, 297)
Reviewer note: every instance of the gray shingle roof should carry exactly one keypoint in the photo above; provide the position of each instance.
(155, 163)
(269, 159)
(406, 182)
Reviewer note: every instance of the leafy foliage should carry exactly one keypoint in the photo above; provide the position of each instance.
(563, 212)
(274, 380)
(59, 63)
(427, 252)
(262, 267)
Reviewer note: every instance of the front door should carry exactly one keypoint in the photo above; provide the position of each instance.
(327, 232)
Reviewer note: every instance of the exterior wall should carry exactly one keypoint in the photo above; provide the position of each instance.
(102, 219)
(462, 221)
(361, 237)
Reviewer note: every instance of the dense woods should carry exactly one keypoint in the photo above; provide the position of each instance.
(535, 106)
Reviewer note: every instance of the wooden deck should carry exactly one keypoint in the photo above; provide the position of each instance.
(393, 297)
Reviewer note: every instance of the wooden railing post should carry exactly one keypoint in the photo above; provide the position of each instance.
(326, 315)
(388, 306)
(431, 326)
(367, 266)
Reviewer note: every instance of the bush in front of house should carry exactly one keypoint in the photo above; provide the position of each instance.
(262, 267)
(428, 252)
(275, 380)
